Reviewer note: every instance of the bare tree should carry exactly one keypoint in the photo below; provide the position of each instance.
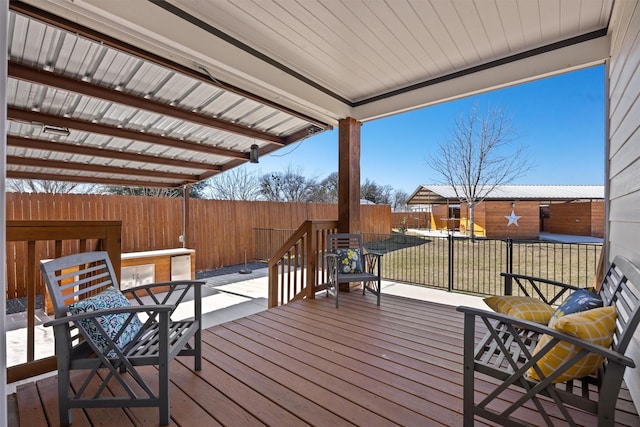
(196, 191)
(288, 186)
(400, 198)
(326, 191)
(479, 156)
(46, 186)
(378, 194)
(235, 184)
(142, 191)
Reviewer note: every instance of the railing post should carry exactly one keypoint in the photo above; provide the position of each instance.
(273, 286)
(508, 285)
(311, 256)
(450, 279)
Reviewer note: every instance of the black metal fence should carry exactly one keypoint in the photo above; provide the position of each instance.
(463, 265)
(474, 266)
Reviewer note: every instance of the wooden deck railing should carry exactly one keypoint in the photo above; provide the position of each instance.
(297, 269)
(32, 241)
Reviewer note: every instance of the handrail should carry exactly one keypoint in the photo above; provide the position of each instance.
(296, 263)
(50, 239)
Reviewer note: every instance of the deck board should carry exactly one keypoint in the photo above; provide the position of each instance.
(308, 363)
(31, 410)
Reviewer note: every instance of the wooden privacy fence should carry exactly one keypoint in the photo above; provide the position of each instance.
(219, 231)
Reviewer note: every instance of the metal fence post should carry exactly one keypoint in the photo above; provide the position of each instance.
(450, 281)
(508, 287)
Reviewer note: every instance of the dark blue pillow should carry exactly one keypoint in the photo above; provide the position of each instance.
(349, 261)
(580, 300)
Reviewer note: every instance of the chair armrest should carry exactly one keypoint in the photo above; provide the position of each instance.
(173, 283)
(120, 310)
(520, 324)
(541, 280)
(332, 260)
(372, 253)
(177, 293)
(535, 282)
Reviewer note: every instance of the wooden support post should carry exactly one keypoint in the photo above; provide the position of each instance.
(31, 299)
(349, 176)
(186, 223)
(349, 182)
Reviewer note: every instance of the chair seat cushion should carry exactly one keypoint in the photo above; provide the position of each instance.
(525, 308)
(349, 261)
(596, 326)
(111, 323)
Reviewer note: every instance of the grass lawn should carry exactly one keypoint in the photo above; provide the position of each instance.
(477, 264)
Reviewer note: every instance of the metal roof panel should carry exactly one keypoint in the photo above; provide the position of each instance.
(426, 194)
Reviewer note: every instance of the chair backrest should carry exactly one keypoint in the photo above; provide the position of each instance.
(71, 278)
(621, 287)
(343, 241)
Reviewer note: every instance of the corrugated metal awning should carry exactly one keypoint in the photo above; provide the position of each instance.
(86, 108)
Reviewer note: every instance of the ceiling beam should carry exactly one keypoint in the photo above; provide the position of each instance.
(91, 34)
(90, 180)
(64, 147)
(230, 165)
(57, 164)
(45, 78)
(86, 126)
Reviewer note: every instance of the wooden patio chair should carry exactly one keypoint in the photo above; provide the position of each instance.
(98, 330)
(565, 363)
(347, 262)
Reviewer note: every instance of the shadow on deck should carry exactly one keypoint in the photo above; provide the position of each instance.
(308, 363)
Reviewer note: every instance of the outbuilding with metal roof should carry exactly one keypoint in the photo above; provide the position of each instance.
(516, 211)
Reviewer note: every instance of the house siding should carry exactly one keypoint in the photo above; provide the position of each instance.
(623, 154)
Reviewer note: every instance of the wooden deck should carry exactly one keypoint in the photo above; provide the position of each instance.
(308, 363)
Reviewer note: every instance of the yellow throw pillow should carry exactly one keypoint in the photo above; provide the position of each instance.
(525, 308)
(596, 326)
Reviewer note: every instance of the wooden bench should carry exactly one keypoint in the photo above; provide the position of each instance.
(368, 273)
(507, 352)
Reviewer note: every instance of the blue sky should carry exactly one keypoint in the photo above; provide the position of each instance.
(560, 120)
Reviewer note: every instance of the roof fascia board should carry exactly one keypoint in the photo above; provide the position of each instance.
(569, 58)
